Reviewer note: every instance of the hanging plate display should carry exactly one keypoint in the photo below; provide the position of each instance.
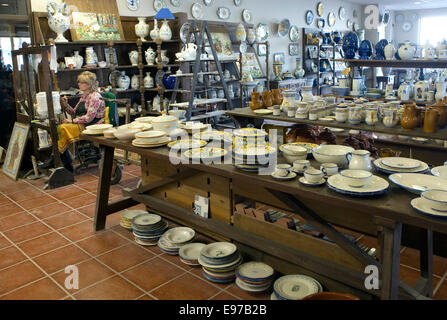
(309, 17)
(342, 13)
(133, 4)
(208, 2)
(197, 11)
(262, 32)
(294, 33)
(247, 16)
(237, 3)
(223, 13)
(406, 26)
(283, 27)
(320, 23)
(176, 3)
(185, 30)
(331, 19)
(320, 9)
(349, 24)
(159, 4)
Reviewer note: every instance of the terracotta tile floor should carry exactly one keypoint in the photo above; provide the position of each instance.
(42, 232)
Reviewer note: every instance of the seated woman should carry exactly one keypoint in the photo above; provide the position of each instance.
(89, 110)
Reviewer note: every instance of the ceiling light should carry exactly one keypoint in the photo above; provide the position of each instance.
(5, 4)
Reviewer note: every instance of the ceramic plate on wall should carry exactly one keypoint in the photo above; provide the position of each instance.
(133, 4)
(294, 33)
(243, 47)
(223, 13)
(320, 9)
(331, 19)
(283, 27)
(159, 4)
(386, 17)
(247, 16)
(208, 2)
(197, 11)
(185, 30)
(342, 13)
(309, 17)
(237, 3)
(349, 24)
(356, 27)
(176, 3)
(262, 32)
(320, 23)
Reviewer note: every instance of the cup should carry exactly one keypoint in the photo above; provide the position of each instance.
(283, 170)
(291, 111)
(313, 175)
(276, 110)
(313, 115)
(329, 169)
(301, 165)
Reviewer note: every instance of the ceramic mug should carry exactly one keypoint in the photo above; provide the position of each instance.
(300, 165)
(313, 175)
(329, 169)
(283, 170)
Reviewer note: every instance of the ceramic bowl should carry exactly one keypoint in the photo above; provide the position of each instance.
(125, 134)
(102, 64)
(178, 113)
(332, 153)
(109, 133)
(356, 178)
(98, 128)
(293, 149)
(151, 136)
(436, 199)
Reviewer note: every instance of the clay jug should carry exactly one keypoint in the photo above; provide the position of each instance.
(431, 120)
(267, 99)
(420, 111)
(410, 118)
(276, 97)
(441, 107)
(255, 102)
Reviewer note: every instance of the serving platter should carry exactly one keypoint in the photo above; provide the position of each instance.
(263, 111)
(375, 187)
(417, 183)
(440, 171)
(382, 168)
(422, 206)
(295, 287)
(401, 163)
(290, 176)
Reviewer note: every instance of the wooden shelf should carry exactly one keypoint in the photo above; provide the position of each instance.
(395, 63)
(82, 69)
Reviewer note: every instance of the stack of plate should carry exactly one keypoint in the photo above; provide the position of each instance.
(150, 139)
(148, 228)
(294, 287)
(190, 253)
(127, 217)
(96, 129)
(175, 238)
(254, 276)
(375, 187)
(185, 144)
(392, 165)
(219, 261)
(252, 157)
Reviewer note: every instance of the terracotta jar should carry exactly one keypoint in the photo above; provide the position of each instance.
(431, 120)
(255, 102)
(410, 117)
(267, 99)
(441, 107)
(276, 97)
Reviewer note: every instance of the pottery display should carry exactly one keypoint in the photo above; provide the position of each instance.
(299, 71)
(267, 99)
(123, 81)
(410, 117)
(240, 33)
(155, 32)
(380, 49)
(441, 90)
(389, 51)
(79, 60)
(165, 32)
(91, 59)
(406, 51)
(142, 29)
(420, 90)
(365, 50)
(355, 115)
(58, 19)
(148, 81)
(251, 36)
(360, 160)
(164, 59)
(350, 45)
(135, 82)
(390, 118)
(431, 119)
(133, 57)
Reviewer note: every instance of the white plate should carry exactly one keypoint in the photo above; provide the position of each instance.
(295, 287)
(326, 119)
(249, 288)
(290, 176)
(440, 171)
(99, 128)
(150, 134)
(212, 135)
(197, 11)
(205, 153)
(144, 243)
(422, 206)
(401, 163)
(223, 13)
(146, 219)
(336, 130)
(307, 183)
(421, 140)
(187, 144)
(283, 27)
(130, 214)
(262, 32)
(243, 47)
(255, 271)
(379, 166)
(154, 145)
(220, 266)
(294, 33)
(179, 235)
(92, 133)
(263, 111)
(191, 251)
(417, 182)
(247, 16)
(159, 4)
(218, 250)
(375, 186)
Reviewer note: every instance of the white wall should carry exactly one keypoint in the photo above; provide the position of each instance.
(266, 11)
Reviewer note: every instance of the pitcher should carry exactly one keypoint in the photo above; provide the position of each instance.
(276, 97)
(431, 120)
(267, 99)
(359, 160)
(371, 116)
(410, 118)
(58, 19)
(390, 118)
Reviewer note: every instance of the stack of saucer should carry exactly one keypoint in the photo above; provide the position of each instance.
(190, 253)
(175, 238)
(150, 139)
(148, 228)
(294, 287)
(127, 217)
(219, 261)
(254, 276)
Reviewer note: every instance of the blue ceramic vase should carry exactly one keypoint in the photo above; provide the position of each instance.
(350, 45)
(380, 49)
(168, 80)
(365, 50)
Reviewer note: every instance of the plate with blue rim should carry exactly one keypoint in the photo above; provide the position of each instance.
(422, 206)
(417, 182)
(382, 168)
(375, 187)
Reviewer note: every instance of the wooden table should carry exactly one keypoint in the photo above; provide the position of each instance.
(319, 205)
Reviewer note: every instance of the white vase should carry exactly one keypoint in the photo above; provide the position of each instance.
(79, 60)
(251, 36)
(165, 32)
(142, 29)
(441, 90)
(389, 51)
(58, 19)
(155, 32)
(124, 81)
(133, 56)
(90, 56)
(240, 33)
(406, 51)
(148, 81)
(150, 56)
(420, 90)
(135, 82)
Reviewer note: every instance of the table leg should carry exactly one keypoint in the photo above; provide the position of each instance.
(425, 284)
(102, 198)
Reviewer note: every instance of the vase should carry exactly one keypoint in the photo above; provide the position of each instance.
(135, 82)
(276, 97)
(164, 59)
(251, 36)
(165, 32)
(429, 52)
(150, 56)
(365, 50)
(79, 60)
(389, 51)
(133, 56)
(336, 37)
(350, 44)
(240, 33)
(123, 81)
(277, 69)
(390, 118)
(58, 19)
(371, 117)
(142, 29)
(90, 57)
(267, 99)
(155, 32)
(148, 81)
(256, 102)
(380, 49)
(299, 72)
(169, 80)
(420, 90)
(406, 51)
(431, 119)
(410, 117)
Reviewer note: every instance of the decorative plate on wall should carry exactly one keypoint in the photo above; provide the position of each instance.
(247, 16)
(349, 24)
(320, 9)
(223, 13)
(243, 47)
(294, 49)
(283, 27)
(294, 33)
(237, 3)
(342, 13)
(309, 17)
(356, 27)
(133, 4)
(321, 23)
(208, 2)
(331, 19)
(197, 11)
(386, 17)
(406, 26)
(176, 3)
(159, 4)
(262, 32)
(262, 50)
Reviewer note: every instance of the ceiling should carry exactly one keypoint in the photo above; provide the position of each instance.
(404, 4)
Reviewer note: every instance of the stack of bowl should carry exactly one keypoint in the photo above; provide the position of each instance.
(219, 261)
(254, 276)
(125, 134)
(97, 128)
(293, 152)
(148, 228)
(253, 157)
(175, 238)
(295, 287)
(150, 139)
(190, 253)
(127, 217)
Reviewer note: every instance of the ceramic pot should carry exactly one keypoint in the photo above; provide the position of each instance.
(371, 117)
(135, 82)
(150, 56)
(165, 33)
(133, 57)
(441, 107)
(365, 50)
(256, 102)
(148, 81)
(240, 33)
(90, 56)
(164, 59)
(431, 119)
(124, 81)
(359, 160)
(389, 51)
(251, 36)
(410, 117)
(155, 32)
(380, 49)
(142, 29)
(169, 80)
(79, 60)
(341, 115)
(276, 97)
(406, 51)
(350, 44)
(58, 19)
(267, 99)
(390, 118)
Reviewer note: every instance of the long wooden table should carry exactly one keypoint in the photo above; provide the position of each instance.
(318, 205)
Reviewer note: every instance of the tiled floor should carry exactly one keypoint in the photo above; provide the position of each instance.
(43, 232)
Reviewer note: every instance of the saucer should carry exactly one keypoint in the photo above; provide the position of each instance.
(290, 176)
(298, 171)
(305, 182)
(420, 205)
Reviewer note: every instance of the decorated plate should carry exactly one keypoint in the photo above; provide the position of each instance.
(295, 287)
(185, 30)
(176, 3)
(243, 47)
(320, 23)
(191, 251)
(247, 16)
(418, 182)
(294, 33)
(254, 150)
(212, 135)
(197, 11)
(223, 13)
(309, 17)
(205, 153)
(376, 186)
(208, 2)
(440, 171)
(342, 13)
(187, 144)
(320, 9)
(255, 271)
(262, 32)
(380, 167)
(401, 163)
(159, 4)
(331, 19)
(179, 235)
(218, 250)
(133, 4)
(283, 27)
(130, 214)
(249, 132)
(222, 267)
(146, 219)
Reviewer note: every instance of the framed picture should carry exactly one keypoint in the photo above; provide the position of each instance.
(222, 42)
(294, 49)
(15, 151)
(262, 50)
(89, 26)
(279, 57)
(250, 65)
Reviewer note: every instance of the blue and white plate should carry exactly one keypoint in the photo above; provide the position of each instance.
(375, 187)
(422, 206)
(295, 287)
(440, 171)
(388, 170)
(401, 163)
(417, 182)
(255, 271)
(218, 280)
